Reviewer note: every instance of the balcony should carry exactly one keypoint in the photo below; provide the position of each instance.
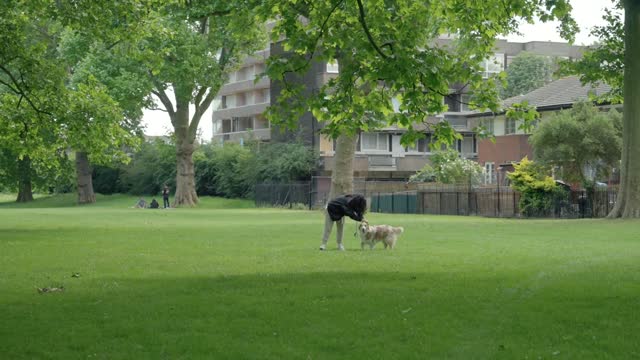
(244, 85)
(382, 162)
(257, 134)
(241, 111)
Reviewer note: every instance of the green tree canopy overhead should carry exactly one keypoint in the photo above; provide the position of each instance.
(386, 50)
(526, 73)
(580, 138)
(44, 110)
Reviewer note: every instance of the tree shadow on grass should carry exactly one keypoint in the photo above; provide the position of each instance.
(379, 315)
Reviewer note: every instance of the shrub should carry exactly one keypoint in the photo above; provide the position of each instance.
(538, 191)
(151, 167)
(448, 168)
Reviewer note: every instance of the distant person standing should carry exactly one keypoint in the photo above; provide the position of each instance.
(165, 196)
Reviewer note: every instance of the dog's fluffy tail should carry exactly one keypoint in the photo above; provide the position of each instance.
(398, 230)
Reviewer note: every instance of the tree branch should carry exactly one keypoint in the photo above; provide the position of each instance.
(17, 89)
(199, 95)
(366, 30)
(313, 51)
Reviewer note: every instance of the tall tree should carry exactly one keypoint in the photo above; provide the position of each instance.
(388, 49)
(188, 52)
(106, 92)
(29, 81)
(616, 61)
(577, 139)
(40, 103)
(527, 72)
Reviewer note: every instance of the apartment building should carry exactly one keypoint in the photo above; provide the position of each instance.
(379, 155)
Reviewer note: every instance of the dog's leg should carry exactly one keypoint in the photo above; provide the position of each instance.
(361, 245)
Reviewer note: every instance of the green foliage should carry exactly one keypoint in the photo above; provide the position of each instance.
(150, 168)
(388, 50)
(229, 171)
(527, 72)
(106, 180)
(579, 138)
(232, 163)
(283, 162)
(52, 174)
(538, 191)
(524, 112)
(448, 168)
(604, 62)
(232, 170)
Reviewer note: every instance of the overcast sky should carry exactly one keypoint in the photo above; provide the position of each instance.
(587, 13)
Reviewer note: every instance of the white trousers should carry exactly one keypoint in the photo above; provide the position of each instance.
(328, 226)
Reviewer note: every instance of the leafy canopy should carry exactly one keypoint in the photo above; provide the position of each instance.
(389, 49)
(579, 138)
(526, 73)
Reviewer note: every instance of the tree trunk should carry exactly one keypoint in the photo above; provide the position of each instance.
(185, 174)
(342, 174)
(84, 181)
(628, 200)
(25, 192)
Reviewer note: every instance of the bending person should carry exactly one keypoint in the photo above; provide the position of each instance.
(353, 206)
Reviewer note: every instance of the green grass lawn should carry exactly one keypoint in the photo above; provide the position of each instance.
(227, 281)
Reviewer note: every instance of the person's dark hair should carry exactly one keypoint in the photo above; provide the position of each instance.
(358, 203)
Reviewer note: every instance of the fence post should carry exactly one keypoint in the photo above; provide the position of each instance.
(498, 212)
(440, 204)
(513, 193)
(310, 187)
(407, 203)
(393, 200)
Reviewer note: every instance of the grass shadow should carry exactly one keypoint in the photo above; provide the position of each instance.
(381, 314)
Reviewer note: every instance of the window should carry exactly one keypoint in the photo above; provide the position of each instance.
(375, 142)
(493, 65)
(241, 99)
(421, 146)
(241, 74)
(267, 96)
(257, 70)
(489, 173)
(332, 67)
(489, 125)
(465, 101)
(226, 126)
(223, 102)
(258, 97)
(217, 126)
(241, 124)
(509, 126)
(260, 122)
(453, 102)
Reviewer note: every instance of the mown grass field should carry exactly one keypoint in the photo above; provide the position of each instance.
(228, 281)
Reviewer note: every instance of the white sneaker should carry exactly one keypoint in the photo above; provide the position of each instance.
(323, 247)
(340, 247)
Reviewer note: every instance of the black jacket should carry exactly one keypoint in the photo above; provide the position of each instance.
(339, 207)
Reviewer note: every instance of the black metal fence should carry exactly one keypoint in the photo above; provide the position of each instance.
(284, 194)
(447, 200)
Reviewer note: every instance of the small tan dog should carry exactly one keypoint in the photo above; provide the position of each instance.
(370, 235)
